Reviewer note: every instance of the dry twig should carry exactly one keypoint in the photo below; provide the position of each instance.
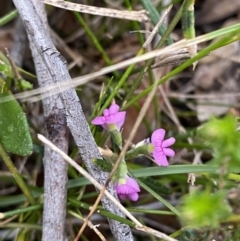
(90, 225)
(155, 29)
(140, 16)
(57, 88)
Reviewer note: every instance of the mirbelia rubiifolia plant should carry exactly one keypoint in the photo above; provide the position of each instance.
(112, 121)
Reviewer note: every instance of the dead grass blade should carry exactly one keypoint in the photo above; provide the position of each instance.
(140, 16)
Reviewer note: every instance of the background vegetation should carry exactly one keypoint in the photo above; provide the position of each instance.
(197, 102)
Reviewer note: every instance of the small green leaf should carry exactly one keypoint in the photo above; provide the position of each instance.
(145, 149)
(105, 165)
(155, 185)
(14, 131)
(23, 84)
(5, 67)
(155, 17)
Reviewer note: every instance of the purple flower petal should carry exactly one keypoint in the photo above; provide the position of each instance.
(168, 142)
(160, 157)
(133, 183)
(113, 109)
(161, 150)
(169, 152)
(121, 121)
(133, 196)
(158, 137)
(129, 189)
(111, 116)
(106, 112)
(98, 120)
(115, 118)
(124, 189)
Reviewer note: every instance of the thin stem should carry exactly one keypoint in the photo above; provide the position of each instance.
(94, 40)
(170, 28)
(135, 24)
(15, 174)
(26, 226)
(20, 211)
(177, 70)
(93, 227)
(150, 61)
(103, 212)
(158, 197)
(9, 17)
(120, 83)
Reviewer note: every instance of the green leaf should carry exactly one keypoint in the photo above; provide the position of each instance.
(158, 197)
(155, 17)
(155, 185)
(145, 149)
(23, 84)
(104, 164)
(5, 67)
(14, 131)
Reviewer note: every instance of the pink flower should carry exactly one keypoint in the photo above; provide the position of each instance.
(110, 116)
(161, 150)
(127, 189)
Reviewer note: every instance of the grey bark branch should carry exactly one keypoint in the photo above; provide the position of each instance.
(55, 168)
(76, 121)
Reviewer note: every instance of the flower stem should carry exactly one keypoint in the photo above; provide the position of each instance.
(9, 17)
